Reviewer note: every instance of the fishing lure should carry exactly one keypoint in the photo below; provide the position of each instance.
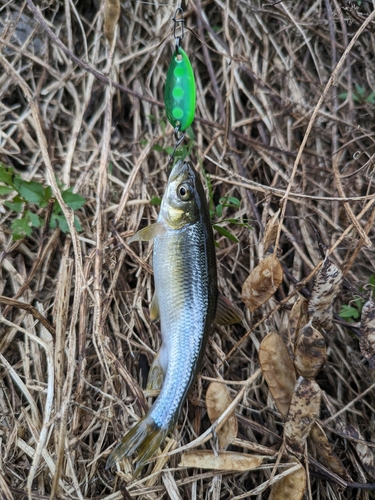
(180, 93)
(179, 90)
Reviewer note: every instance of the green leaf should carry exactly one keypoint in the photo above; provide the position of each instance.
(56, 208)
(219, 210)
(235, 221)
(5, 190)
(48, 193)
(349, 312)
(33, 192)
(245, 224)
(190, 133)
(6, 174)
(360, 90)
(32, 218)
(21, 228)
(223, 201)
(163, 124)
(238, 222)
(155, 200)
(371, 98)
(158, 148)
(359, 303)
(224, 232)
(73, 200)
(343, 96)
(77, 224)
(59, 219)
(234, 201)
(16, 204)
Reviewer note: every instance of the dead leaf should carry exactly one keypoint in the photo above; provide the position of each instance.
(298, 318)
(326, 288)
(262, 282)
(304, 409)
(325, 453)
(112, 9)
(217, 401)
(224, 460)
(278, 370)
(310, 352)
(270, 233)
(364, 453)
(367, 338)
(291, 487)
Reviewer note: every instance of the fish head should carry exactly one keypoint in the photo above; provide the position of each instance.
(181, 201)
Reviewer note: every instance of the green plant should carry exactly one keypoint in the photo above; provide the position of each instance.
(352, 311)
(218, 210)
(360, 95)
(30, 194)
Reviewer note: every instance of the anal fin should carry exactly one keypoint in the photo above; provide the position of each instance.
(154, 308)
(227, 313)
(155, 375)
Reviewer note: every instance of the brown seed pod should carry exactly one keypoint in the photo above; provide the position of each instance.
(364, 453)
(290, 487)
(325, 453)
(270, 232)
(112, 9)
(310, 352)
(224, 460)
(217, 401)
(367, 338)
(278, 370)
(298, 318)
(304, 409)
(326, 288)
(262, 282)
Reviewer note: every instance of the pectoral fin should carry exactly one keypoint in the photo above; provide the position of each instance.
(226, 312)
(155, 375)
(148, 233)
(154, 308)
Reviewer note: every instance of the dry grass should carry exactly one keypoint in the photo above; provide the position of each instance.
(71, 383)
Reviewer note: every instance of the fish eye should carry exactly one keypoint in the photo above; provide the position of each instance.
(184, 192)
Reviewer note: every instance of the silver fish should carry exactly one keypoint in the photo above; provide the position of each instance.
(186, 300)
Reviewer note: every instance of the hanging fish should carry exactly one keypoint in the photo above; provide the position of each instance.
(179, 92)
(186, 300)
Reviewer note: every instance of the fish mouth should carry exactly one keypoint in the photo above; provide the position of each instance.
(182, 171)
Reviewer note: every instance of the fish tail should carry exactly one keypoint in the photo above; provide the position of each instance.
(145, 436)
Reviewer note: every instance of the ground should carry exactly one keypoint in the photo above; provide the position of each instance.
(284, 120)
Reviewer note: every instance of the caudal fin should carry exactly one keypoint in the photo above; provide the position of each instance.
(145, 436)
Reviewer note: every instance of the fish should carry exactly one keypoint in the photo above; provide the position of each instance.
(186, 301)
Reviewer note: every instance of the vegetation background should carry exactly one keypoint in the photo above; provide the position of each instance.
(284, 114)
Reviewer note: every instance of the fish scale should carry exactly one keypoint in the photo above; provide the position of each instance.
(183, 312)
